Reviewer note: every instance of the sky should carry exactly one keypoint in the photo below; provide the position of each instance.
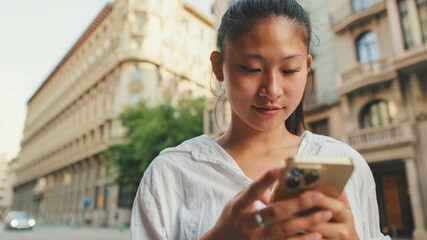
(34, 36)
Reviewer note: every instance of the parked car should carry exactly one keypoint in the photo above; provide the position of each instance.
(19, 220)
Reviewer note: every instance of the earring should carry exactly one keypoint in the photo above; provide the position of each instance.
(220, 84)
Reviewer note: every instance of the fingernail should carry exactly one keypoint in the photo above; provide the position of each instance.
(316, 236)
(315, 198)
(326, 216)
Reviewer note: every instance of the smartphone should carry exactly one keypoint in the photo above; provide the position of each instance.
(301, 173)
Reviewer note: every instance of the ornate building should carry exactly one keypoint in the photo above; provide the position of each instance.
(381, 59)
(368, 87)
(134, 50)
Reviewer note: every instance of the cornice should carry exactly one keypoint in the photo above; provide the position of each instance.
(189, 8)
(92, 27)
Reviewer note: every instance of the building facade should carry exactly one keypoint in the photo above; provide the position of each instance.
(381, 61)
(150, 50)
(6, 179)
(368, 87)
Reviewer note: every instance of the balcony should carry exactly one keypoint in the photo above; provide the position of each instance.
(412, 60)
(381, 137)
(365, 74)
(344, 16)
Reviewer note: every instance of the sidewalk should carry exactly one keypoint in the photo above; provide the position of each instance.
(66, 233)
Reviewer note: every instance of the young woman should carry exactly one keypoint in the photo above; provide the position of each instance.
(204, 189)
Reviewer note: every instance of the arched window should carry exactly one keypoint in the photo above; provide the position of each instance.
(360, 5)
(367, 49)
(377, 113)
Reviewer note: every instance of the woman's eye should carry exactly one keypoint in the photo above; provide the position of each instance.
(251, 70)
(291, 71)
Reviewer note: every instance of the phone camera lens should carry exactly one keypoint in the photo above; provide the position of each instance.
(311, 176)
(293, 179)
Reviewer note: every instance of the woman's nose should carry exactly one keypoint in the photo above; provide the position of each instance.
(271, 86)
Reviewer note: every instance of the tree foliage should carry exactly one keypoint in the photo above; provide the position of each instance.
(149, 131)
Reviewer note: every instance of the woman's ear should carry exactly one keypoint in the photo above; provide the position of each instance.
(309, 61)
(217, 68)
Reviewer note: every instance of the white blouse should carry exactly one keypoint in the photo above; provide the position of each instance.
(185, 189)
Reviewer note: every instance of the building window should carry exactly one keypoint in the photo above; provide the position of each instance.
(134, 98)
(105, 198)
(92, 136)
(377, 113)
(422, 13)
(101, 134)
(67, 178)
(126, 196)
(405, 24)
(367, 49)
(140, 21)
(96, 198)
(137, 74)
(320, 127)
(185, 23)
(360, 5)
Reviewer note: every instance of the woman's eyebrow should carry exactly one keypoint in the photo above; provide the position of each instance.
(260, 57)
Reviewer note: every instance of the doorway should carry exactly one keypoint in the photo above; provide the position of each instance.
(393, 198)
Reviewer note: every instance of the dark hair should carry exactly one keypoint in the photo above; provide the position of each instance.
(244, 14)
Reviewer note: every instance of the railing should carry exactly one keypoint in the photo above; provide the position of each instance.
(382, 136)
(346, 9)
(366, 69)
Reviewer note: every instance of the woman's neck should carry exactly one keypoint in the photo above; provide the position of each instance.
(256, 152)
(241, 136)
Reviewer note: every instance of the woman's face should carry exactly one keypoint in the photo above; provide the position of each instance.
(265, 71)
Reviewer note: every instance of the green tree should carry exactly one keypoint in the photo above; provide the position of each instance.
(149, 131)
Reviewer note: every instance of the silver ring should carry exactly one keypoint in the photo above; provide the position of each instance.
(258, 219)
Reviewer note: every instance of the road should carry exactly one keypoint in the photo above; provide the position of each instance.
(65, 233)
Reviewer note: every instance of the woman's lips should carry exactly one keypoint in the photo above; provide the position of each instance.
(267, 111)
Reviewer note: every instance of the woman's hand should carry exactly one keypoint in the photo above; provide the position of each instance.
(280, 219)
(342, 225)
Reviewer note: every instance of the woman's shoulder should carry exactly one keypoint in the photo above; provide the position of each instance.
(181, 158)
(320, 139)
(196, 143)
(321, 145)
(316, 144)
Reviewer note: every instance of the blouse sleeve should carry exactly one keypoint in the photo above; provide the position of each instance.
(146, 222)
(369, 205)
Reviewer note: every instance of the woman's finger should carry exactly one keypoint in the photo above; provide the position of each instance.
(343, 198)
(340, 208)
(295, 225)
(257, 189)
(308, 236)
(331, 230)
(289, 208)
